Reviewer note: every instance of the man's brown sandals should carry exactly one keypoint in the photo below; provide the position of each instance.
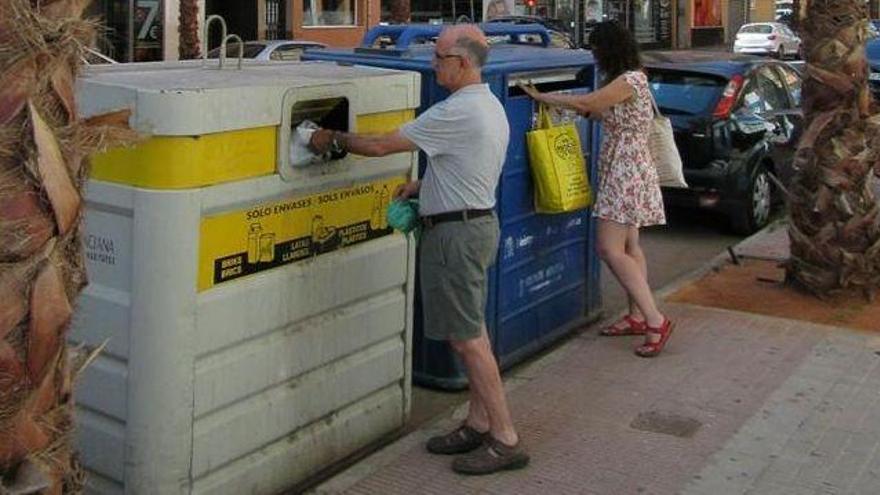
(483, 454)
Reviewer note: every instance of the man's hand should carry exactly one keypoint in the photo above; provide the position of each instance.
(321, 141)
(407, 190)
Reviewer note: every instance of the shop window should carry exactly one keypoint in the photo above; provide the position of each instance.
(329, 12)
(707, 13)
(148, 30)
(130, 31)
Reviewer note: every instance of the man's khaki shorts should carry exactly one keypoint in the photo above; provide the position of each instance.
(453, 264)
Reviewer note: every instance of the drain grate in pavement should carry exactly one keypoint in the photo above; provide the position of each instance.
(666, 423)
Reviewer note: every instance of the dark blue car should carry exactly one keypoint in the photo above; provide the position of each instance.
(737, 119)
(872, 51)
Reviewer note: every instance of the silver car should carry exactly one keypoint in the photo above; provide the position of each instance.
(281, 50)
(767, 38)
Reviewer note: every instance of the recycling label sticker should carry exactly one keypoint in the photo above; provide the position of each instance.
(266, 236)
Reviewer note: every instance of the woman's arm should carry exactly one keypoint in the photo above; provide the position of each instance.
(594, 103)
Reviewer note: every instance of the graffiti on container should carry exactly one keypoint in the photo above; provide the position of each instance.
(541, 279)
(574, 223)
(512, 244)
(100, 249)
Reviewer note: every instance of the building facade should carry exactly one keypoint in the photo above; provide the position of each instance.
(146, 30)
(141, 30)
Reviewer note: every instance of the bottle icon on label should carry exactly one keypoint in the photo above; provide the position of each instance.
(253, 250)
(267, 248)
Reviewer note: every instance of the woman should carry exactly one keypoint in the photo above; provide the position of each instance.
(629, 192)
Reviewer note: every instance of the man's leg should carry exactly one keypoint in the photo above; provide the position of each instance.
(502, 448)
(485, 382)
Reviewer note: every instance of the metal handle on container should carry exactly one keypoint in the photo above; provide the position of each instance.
(240, 48)
(405, 34)
(393, 32)
(505, 29)
(223, 34)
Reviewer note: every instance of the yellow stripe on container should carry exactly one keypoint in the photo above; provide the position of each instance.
(183, 162)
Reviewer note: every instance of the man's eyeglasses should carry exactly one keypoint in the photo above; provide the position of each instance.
(438, 56)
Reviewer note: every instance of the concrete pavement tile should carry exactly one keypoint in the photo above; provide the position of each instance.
(531, 483)
(729, 473)
(869, 479)
(813, 473)
(852, 461)
(775, 489)
(781, 470)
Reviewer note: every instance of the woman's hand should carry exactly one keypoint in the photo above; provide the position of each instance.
(532, 92)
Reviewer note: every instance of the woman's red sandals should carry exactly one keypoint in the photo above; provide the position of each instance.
(624, 326)
(655, 339)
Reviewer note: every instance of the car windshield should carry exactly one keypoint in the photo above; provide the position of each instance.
(251, 50)
(757, 29)
(685, 93)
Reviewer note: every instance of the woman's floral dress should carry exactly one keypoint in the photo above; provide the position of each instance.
(629, 190)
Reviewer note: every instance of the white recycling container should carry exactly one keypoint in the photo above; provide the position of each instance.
(258, 317)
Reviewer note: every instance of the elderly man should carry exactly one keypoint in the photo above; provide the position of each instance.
(465, 138)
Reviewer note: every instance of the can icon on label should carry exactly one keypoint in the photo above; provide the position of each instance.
(267, 248)
(253, 250)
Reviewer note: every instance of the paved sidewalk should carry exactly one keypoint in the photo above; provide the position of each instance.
(738, 403)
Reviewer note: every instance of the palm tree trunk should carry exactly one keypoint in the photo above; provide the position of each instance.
(189, 29)
(835, 238)
(43, 151)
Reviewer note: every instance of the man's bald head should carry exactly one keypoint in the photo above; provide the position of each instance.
(469, 41)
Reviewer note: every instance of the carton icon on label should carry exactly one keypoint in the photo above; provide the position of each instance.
(261, 247)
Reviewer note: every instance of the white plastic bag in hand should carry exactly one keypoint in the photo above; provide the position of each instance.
(301, 154)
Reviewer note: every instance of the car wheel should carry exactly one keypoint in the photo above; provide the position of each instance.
(755, 212)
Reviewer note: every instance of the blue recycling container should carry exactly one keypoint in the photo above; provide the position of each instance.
(546, 280)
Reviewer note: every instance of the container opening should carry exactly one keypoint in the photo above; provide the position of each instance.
(550, 81)
(331, 113)
(328, 113)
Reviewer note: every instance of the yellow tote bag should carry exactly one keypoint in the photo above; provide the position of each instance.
(558, 167)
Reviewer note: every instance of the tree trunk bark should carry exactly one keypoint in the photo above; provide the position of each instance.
(833, 227)
(43, 153)
(189, 30)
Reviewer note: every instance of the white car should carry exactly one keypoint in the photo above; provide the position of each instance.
(768, 38)
(268, 50)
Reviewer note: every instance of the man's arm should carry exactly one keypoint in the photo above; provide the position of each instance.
(362, 144)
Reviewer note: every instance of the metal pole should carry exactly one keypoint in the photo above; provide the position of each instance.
(131, 33)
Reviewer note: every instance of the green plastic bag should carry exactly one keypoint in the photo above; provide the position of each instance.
(403, 215)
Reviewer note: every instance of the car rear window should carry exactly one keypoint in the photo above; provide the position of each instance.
(757, 28)
(685, 93)
(251, 50)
